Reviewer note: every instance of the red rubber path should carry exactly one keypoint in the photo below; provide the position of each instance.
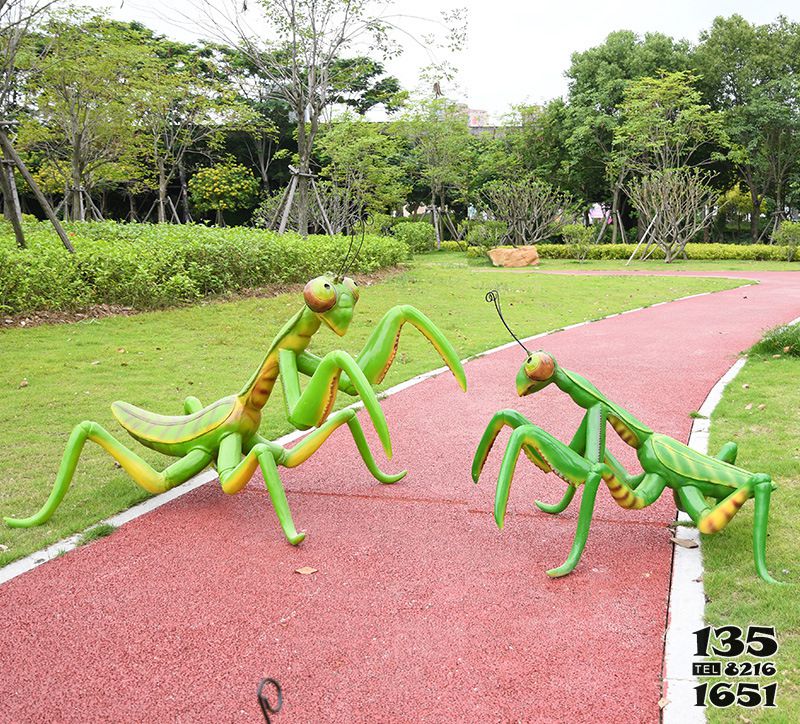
(421, 610)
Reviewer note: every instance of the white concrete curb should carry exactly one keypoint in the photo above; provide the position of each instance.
(686, 594)
(23, 565)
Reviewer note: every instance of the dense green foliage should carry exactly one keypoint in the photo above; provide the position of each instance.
(147, 266)
(696, 251)
(420, 237)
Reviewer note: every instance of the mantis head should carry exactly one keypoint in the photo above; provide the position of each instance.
(332, 299)
(538, 371)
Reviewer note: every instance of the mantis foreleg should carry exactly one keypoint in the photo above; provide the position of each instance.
(153, 481)
(380, 349)
(311, 406)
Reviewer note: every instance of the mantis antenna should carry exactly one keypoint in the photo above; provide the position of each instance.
(346, 264)
(494, 296)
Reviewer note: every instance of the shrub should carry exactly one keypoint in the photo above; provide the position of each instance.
(696, 251)
(147, 266)
(486, 234)
(223, 187)
(451, 245)
(788, 235)
(419, 236)
(578, 239)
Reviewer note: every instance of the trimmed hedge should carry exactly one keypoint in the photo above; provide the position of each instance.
(695, 251)
(147, 266)
(420, 236)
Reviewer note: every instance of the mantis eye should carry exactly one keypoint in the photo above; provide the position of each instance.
(540, 366)
(320, 295)
(352, 287)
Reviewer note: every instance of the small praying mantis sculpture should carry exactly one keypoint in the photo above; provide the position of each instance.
(693, 477)
(225, 432)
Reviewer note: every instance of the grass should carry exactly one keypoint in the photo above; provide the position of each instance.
(102, 530)
(769, 441)
(156, 359)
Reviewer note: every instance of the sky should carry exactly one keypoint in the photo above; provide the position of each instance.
(517, 51)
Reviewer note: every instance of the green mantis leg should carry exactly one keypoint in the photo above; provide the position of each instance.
(515, 419)
(153, 481)
(713, 519)
(558, 457)
(310, 444)
(380, 349)
(191, 405)
(312, 406)
(235, 472)
(727, 454)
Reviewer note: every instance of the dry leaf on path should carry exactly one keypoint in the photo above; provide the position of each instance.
(305, 570)
(684, 542)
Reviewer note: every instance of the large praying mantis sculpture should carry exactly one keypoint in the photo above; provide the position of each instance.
(226, 432)
(692, 476)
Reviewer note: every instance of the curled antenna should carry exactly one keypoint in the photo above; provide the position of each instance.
(494, 296)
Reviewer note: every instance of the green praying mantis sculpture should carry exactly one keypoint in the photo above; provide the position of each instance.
(693, 477)
(226, 432)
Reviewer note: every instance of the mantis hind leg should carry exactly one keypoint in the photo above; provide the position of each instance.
(153, 481)
(713, 519)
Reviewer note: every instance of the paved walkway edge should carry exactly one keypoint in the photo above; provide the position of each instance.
(28, 563)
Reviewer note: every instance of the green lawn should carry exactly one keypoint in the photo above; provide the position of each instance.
(769, 441)
(156, 359)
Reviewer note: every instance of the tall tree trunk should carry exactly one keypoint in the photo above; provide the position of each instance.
(78, 212)
(184, 200)
(755, 200)
(132, 208)
(615, 199)
(435, 215)
(304, 153)
(162, 193)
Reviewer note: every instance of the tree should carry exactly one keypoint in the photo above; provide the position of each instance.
(598, 78)
(302, 61)
(675, 204)
(223, 187)
(18, 19)
(364, 158)
(750, 73)
(81, 94)
(178, 109)
(532, 209)
(663, 125)
(439, 139)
